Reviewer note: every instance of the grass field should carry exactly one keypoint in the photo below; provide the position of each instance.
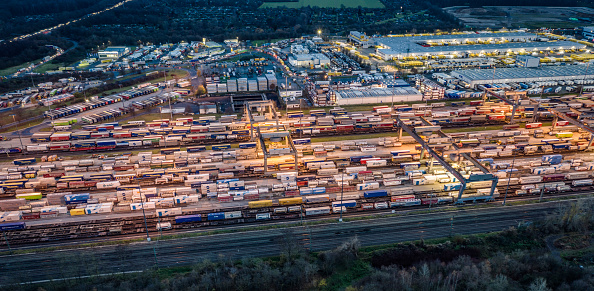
(49, 66)
(170, 76)
(12, 70)
(326, 4)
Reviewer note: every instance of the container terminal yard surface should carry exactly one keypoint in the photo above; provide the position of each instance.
(180, 189)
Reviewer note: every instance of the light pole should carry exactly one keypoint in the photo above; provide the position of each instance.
(509, 179)
(585, 73)
(19, 133)
(148, 238)
(286, 96)
(341, 193)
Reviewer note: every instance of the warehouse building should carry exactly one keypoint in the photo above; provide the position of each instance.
(527, 61)
(463, 45)
(361, 39)
(375, 95)
(516, 75)
(588, 32)
(113, 52)
(306, 60)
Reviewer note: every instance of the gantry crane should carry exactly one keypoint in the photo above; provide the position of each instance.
(514, 101)
(486, 176)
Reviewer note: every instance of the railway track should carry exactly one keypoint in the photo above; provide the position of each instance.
(24, 153)
(134, 225)
(264, 243)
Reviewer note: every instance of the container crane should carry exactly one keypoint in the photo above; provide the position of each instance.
(514, 95)
(463, 181)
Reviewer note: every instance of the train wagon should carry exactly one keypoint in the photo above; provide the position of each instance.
(533, 125)
(188, 218)
(169, 151)
(375, 193)
(12, 226)
(290, 201)
(317, 210)
(26, 161)
(221, 147)
(564, 135)
(29, 196)
(248, 145)
(345, 203)
(260, 204)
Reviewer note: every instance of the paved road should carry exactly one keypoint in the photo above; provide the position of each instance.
(180, 252)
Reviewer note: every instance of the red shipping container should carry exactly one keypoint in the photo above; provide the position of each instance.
(76, 184)
(123, 167)
(251, 196)
(427, 201)
(292, 193)
(90, 183)
(333, 189)
(54, 174)
(28, 216)
(225, 198)
(402, 197)
(349, 188)
(345, 127)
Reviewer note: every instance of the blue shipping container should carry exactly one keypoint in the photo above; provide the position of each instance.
(216, 216)
(12, 226)
(375, 193)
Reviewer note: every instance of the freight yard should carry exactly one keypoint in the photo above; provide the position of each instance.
(398, 144)
(106, 179)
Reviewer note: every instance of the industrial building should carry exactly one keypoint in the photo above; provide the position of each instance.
(298, 49)
(475, 77)
(463, 45)
(588, 32)
(113, 52)
(375, 95)
(306, 60)
(361, 39)
(263, 83)
(527, 61)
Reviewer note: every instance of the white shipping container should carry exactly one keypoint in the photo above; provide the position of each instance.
(530, 179)
(232, 214)
(108, 185)
(169, 212)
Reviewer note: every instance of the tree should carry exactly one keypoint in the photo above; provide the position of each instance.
(200, 91)
(540, 284)
(189, 109)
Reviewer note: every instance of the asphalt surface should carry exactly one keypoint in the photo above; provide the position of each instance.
(187, 251)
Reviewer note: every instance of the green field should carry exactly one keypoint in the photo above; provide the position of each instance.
(326, 4)
(12, 70)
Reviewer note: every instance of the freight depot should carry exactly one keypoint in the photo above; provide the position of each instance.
(409, 185)
(208, 130)
(385, 174)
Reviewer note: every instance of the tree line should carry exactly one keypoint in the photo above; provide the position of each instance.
(514, 259)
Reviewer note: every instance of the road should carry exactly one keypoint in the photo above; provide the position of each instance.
(263, 243)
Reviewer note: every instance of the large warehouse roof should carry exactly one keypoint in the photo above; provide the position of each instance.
(476, 77)
(378, 95)
(514, 73)
(403, 46)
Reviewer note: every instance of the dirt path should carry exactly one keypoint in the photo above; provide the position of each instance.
(550, 241)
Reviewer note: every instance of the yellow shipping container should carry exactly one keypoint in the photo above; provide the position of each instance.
(260, 204)
(79, 211)
(290, 201)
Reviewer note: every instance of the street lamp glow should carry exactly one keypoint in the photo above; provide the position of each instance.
(319, 31)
